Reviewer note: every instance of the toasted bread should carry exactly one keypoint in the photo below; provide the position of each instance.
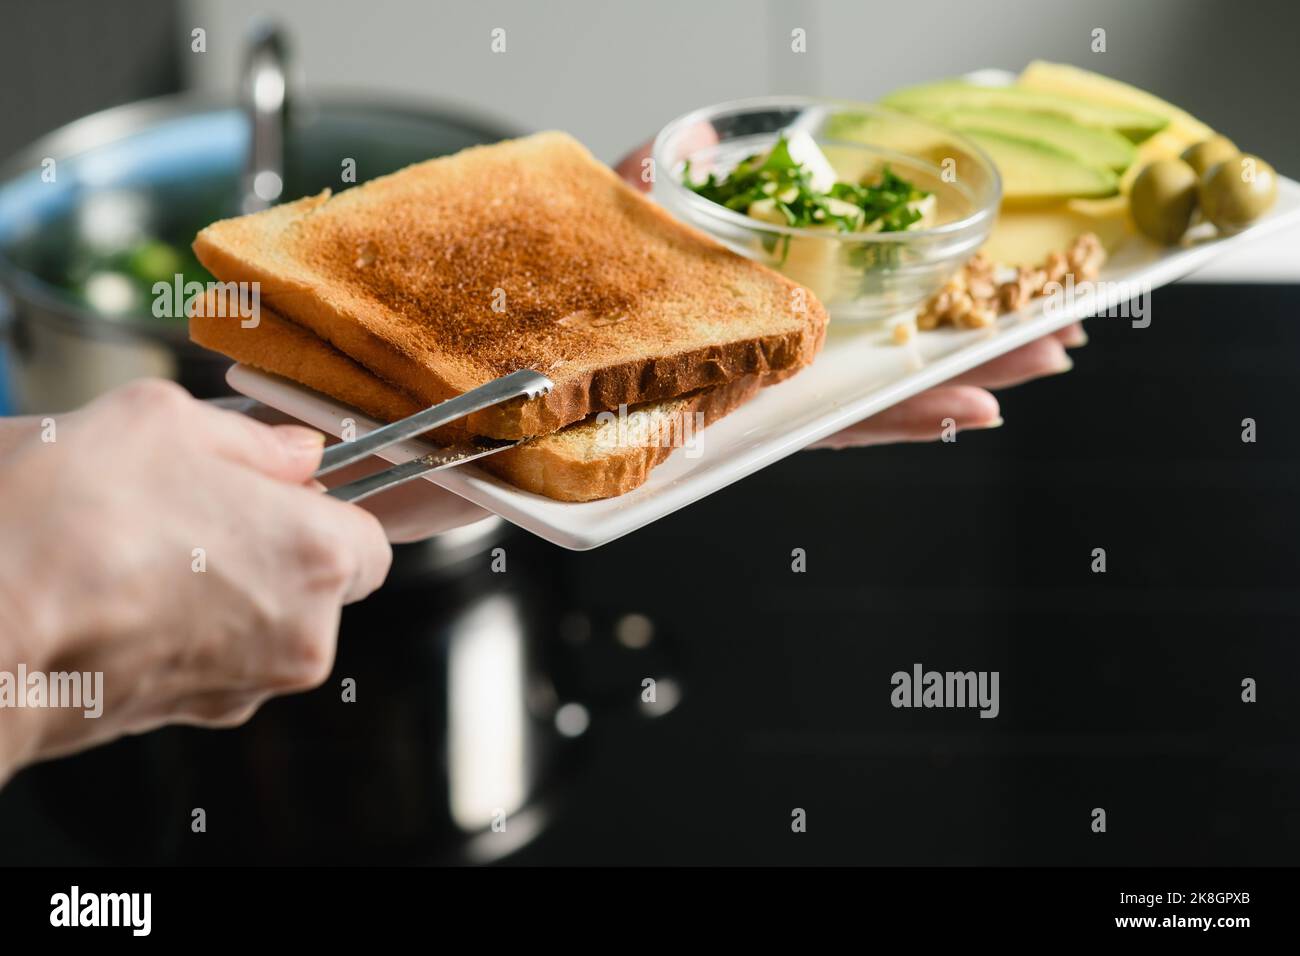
(582, 462)
(524, 254)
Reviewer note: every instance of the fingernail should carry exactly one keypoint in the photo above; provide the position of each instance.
(303, 440)
(1077, 339)
(991, 423)
(1064, 366)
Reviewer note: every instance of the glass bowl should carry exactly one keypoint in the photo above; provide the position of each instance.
(856, 275)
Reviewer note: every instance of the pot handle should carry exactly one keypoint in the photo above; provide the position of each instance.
(265, 98)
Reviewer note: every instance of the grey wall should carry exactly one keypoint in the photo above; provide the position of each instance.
(63, 59)
(613, 72)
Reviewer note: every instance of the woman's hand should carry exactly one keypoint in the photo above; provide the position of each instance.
(965, 399)
(181, 551)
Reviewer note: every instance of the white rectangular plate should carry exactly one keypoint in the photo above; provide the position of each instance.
(861, 372)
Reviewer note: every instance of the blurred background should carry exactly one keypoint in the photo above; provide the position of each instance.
(521, 692)
(613, 73)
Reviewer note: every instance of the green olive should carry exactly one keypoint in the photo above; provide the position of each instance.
(1238, 191)
(1203, 155)
(1163, 198)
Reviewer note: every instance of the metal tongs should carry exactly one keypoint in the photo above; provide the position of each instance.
(522, 384)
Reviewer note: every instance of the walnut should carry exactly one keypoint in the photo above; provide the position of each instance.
(982, 288)
(973, 298)
(1014, 294)
(1056, 266)
(980, 317)
(961, 304)
(1085, 257)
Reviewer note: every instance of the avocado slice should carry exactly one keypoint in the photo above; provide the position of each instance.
(1091, 145)
(953, 95)
(1034, 172)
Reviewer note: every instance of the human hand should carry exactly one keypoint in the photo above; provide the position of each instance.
(411, 511)
(966, 399)
(181, 551)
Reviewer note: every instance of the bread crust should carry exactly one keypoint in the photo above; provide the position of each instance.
(543, 466)
(607, 294)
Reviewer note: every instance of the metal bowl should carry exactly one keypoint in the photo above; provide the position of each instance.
(79, 203)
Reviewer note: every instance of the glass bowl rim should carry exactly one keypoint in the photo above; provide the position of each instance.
(695, 201)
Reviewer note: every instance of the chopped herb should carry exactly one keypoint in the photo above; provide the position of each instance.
(774, 186)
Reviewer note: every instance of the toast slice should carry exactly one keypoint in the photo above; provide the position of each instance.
(525, 254)
(583, 462)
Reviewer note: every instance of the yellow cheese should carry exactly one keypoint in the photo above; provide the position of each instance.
(1024, 236)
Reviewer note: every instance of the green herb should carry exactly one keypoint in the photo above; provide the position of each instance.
(780, 185)
(889, 200)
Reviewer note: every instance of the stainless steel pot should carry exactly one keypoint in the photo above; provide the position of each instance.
(164, 168)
